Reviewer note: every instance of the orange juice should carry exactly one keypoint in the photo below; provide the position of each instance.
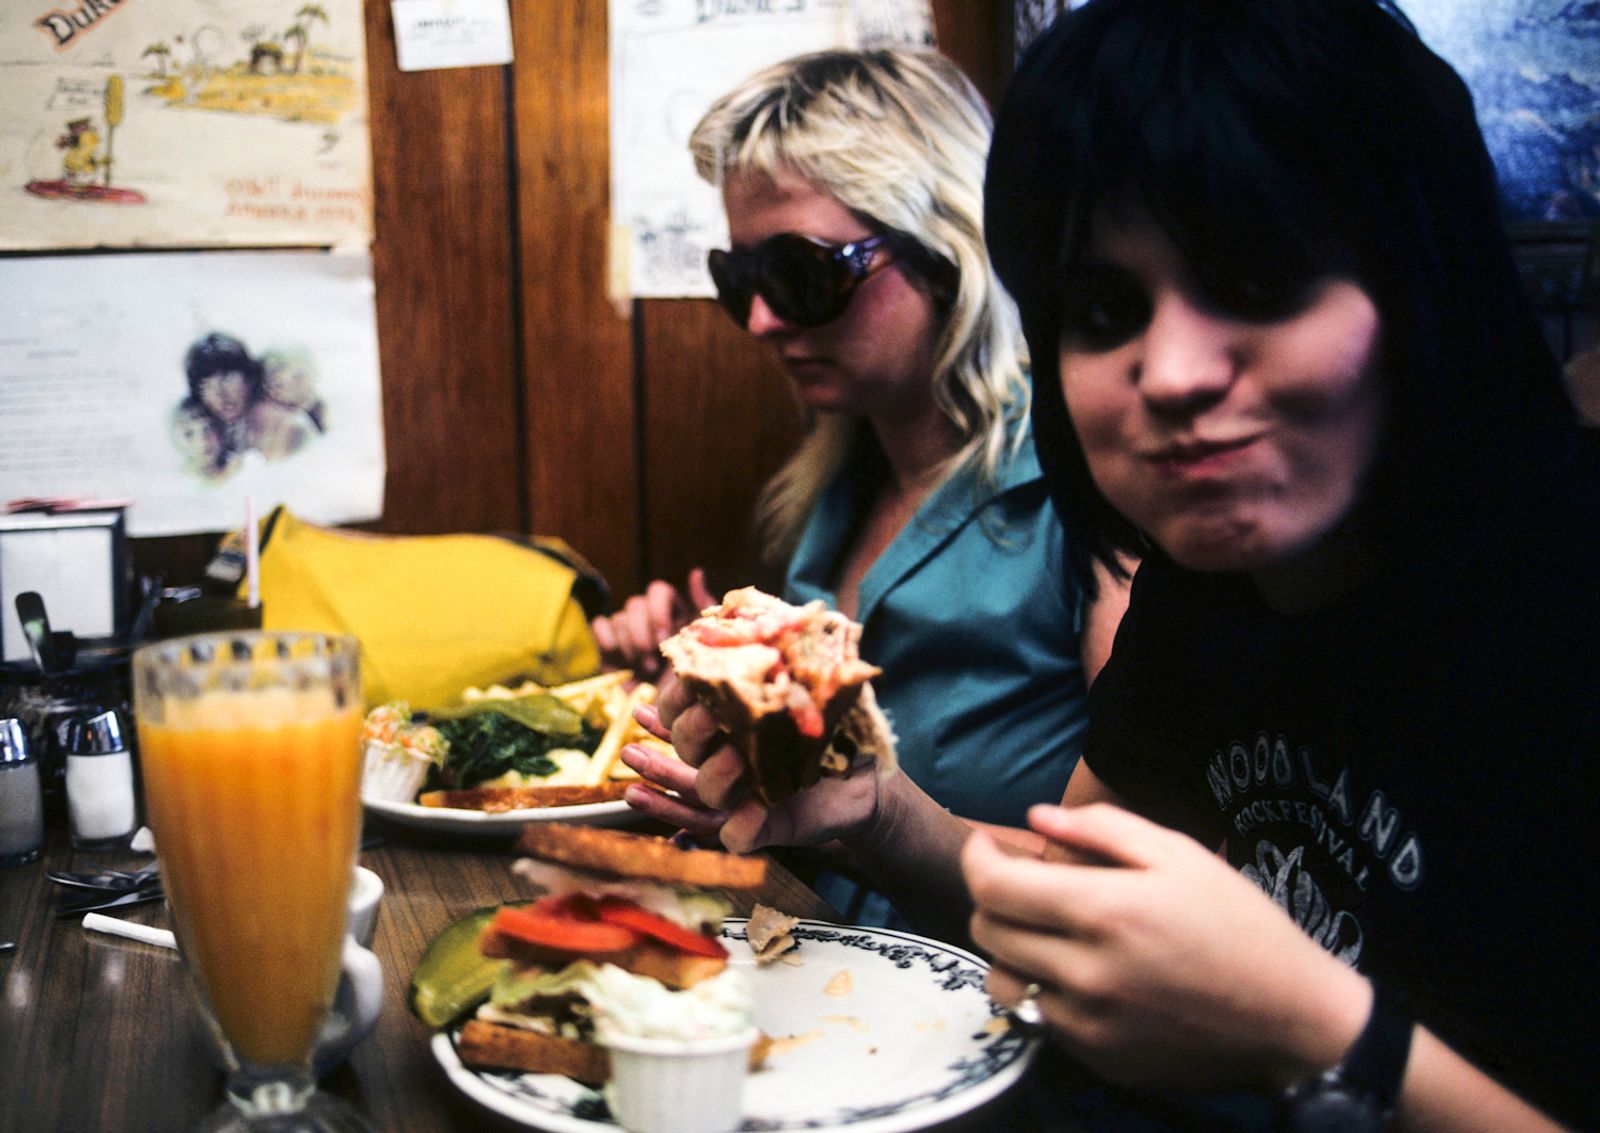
(254, 800)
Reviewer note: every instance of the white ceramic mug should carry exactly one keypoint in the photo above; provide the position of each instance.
(359, 997)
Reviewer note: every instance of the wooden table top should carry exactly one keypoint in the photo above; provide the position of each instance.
(99, 1033)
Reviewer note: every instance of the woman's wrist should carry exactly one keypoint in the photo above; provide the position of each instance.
(879, 831)
(908, 830)
(1321, 1037)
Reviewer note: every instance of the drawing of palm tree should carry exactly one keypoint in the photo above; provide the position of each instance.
(295, 34)
(303, 20)
(162, 53)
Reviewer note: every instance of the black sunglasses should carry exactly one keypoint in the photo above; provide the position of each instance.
(803, 280)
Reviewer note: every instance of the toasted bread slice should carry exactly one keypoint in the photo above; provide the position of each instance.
(638, 855)
(497, 800)
(495, 1047)
(492, 1046)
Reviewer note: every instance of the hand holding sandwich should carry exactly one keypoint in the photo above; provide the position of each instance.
(909, 843)
(772, 711)
(713, 788)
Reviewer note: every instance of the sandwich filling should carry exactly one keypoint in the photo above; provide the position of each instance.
(773, 656)
(585, 997)
(602, 953)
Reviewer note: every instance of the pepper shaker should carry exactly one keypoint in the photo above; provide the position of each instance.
(21, 800)
(100, 799)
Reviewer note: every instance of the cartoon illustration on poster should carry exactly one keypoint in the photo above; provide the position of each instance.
(183, 123)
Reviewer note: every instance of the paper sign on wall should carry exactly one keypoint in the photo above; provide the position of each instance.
(669, 60)
(433, 34)
(191, 382)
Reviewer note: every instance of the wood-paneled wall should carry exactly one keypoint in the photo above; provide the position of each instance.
(516, 396)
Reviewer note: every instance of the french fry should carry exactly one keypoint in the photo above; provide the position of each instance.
(610, 746)
(500, 692)
(579, 692)
(575, 693)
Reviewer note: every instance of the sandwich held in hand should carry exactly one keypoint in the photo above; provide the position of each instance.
(788, 685)
(624, 941)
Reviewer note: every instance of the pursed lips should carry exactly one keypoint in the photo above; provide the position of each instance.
(1195, 454)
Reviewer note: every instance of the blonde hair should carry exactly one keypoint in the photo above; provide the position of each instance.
(899, 137)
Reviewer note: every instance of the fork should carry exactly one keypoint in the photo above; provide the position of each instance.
(114, 880)
(109, 900)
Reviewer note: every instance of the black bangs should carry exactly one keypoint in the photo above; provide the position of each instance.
(1208, 134)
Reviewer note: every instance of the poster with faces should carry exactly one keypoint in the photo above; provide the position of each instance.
(191, 383)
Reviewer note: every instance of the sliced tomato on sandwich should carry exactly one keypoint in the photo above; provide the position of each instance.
(625, 914)
(565, 933)
(594, 926)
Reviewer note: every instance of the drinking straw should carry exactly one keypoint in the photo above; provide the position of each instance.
(252, 564)
(160, 937)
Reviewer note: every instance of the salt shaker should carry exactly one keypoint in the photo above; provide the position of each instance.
(21, 801)
(100, 798)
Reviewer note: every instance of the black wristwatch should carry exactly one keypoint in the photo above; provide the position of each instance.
(1358, 1095)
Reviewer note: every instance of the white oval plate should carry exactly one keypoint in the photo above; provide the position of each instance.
(450, 820)
(913, 1040)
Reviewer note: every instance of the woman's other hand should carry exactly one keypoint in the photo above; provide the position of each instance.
(1158, 963)
(631, 638)
(713, 789)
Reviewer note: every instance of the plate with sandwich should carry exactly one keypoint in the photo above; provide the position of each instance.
(502, 757)
(865, 1030)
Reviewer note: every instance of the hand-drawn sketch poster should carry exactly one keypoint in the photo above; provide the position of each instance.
(183, 123)
(192, 381)
(669, 60)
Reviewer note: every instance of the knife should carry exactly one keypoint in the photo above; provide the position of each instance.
(95, 904)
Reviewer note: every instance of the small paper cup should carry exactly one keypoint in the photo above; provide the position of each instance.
(366, 891)
(392, 772)
(676, 1086)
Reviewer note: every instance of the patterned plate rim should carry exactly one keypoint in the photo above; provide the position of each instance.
(999, 1060)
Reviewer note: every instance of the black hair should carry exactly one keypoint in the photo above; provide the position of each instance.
(219, 353)
(1285, 137)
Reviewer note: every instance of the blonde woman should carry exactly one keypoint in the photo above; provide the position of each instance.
(852, 183)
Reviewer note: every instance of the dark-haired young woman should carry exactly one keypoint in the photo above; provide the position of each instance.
(1332, 838)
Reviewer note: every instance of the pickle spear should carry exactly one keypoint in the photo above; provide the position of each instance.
(453, 977)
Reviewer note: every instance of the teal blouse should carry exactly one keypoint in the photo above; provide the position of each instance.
(974, 617)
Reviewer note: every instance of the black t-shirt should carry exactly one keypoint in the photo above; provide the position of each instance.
(1410, 773)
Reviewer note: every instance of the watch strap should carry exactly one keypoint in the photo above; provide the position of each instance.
(1375, 1064)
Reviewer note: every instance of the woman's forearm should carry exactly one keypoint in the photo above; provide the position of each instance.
(912, 851)
(1444, 1093)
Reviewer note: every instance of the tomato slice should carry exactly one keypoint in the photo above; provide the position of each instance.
(625, 914)
(572, 906)
(564, 933)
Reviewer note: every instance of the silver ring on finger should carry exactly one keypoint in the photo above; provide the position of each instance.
(1027, 1010)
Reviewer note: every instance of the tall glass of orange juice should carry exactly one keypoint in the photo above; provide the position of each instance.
(248, 743)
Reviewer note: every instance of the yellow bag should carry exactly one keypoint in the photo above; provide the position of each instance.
(434, 613)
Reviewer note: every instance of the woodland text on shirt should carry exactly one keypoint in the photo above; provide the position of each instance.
(1268, 762)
